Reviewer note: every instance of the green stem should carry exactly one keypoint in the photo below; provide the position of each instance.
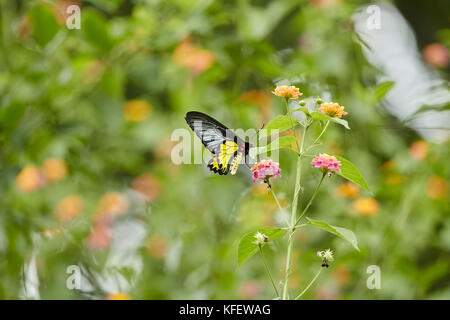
(278, 204)
(320, 135)
(298, 226)
(288, 110)
(311, 200)
(268, 271)
(293, 217)
(309, 285)
(323, 131)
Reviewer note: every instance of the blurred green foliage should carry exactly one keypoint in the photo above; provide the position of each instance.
(105, 99)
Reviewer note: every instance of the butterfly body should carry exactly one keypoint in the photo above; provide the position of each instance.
(227, 148)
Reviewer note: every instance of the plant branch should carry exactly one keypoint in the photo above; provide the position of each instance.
(320, 135)
(279, 205)
(309, 285)
(288, 110)
(311, 200)
(268, 271)
(293, 217)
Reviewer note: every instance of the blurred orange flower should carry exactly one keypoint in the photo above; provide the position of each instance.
(192, 57)
(94, 71)
(164, 148)
(341, 275)
(326, 293)
(395, 179)
(437, 187)
(29, 178)
(113, 204)
(259, 189)
(136, 110)
(157, 246)
(324, 3)
(436, 55)
(259, 98)
(250, 290)
(148, 185)
(60, 10)
(118, 296)
(418, 149)
(366, 206)
(388, 165)
(347, 190)
(100, 236)
(54, 169)
(68, 208)
(24, 27)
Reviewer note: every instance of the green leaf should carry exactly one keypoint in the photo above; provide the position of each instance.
(282, 142)
(280, 123)
(247, 246)
(44, 24)
(383, 88)
(315, 115)
(350, 172)
(257, 22)
(305, 110)
(94, 28)
(342, 233)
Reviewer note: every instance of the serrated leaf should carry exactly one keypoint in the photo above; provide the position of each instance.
(282, 142)
(382, 89)
(315, 115)
(342, 233)
(247, 246)
(280, 123)
(350, 172)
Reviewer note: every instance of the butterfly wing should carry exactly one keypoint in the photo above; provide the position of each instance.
(211, 132)
(227, 147)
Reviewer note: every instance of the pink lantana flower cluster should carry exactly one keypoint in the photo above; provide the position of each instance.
(327, 163)
(264, 170)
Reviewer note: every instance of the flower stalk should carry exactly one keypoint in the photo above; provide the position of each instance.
(265, 170)
(268, 271)
(311, 200)
(293, 217)
(309, 285)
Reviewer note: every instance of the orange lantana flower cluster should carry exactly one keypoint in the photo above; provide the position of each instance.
(332, 109)
(288, 92)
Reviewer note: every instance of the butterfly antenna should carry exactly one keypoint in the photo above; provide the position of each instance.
(262, 127)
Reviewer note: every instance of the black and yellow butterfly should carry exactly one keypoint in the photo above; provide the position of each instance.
(227, 148)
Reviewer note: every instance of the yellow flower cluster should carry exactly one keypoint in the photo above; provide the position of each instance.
(332, 109)
(288, 92)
